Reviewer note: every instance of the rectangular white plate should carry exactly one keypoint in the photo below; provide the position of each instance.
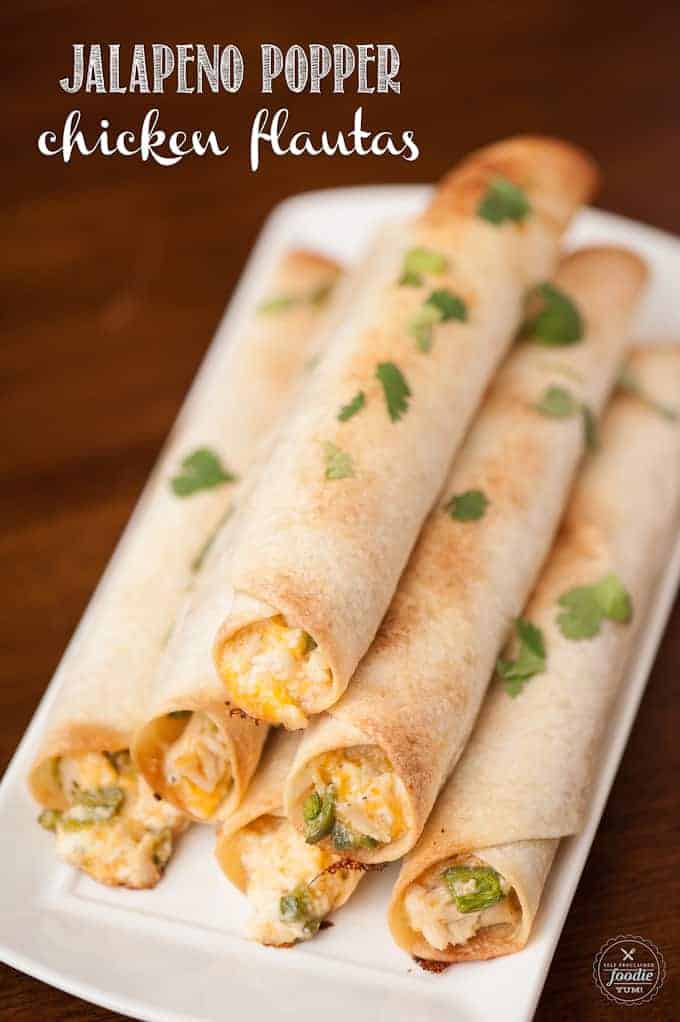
(176, 954)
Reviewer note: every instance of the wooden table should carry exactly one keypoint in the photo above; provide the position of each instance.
(116, 272)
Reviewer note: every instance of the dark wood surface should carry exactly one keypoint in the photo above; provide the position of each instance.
(115, 274)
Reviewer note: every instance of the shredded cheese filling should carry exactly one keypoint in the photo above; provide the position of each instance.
(370, 797)
(432, 912)
(277, 862)
(275, 673)
(198, 766)
(115, 829)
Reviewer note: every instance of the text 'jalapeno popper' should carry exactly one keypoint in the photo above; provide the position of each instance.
(292, 886)
(383, 752)
(471, 887)
(106, 819)
(331, 523)
(186, 747)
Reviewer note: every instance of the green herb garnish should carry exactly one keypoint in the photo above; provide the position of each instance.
(467, 507)
(530, 659)
(352, 407)
(558, 322)
(441, 306)
(280, 303)
(395, 388)
(557, 402)
(418, 261)
(180, 714)
(630, 383)
(503, 200)
(310, 644)
(200, 470)
(486, 892)
(339, 464)
(585, 607)
(319, 816)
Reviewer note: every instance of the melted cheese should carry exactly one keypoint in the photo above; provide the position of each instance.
(273, 674)
(277, 860)
(133, 846)
(370, 797)
(198, 766)
(432, 912)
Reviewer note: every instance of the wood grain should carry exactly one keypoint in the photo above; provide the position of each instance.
(114, 275)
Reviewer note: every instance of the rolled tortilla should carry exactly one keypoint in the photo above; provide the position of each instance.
(288, 882)
(524, 778)
(390, 743)
(192, 746)
(333, 519)
(104, 677)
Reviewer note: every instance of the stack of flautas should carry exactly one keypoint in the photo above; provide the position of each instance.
(472, 885)
(384, 582)
(104, 815)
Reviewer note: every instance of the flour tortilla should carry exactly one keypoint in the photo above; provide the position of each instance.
(105, 675)
(327, 554)
(417, 691)
(524, 779)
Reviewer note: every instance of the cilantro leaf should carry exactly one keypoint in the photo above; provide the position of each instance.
(280, 303)
(585, 607)
(200, 470)
(352, 407)
(614, 599)
(467, 507)
(203, 552)
(449, 306)
(339, 464)
(557, 322)
(557, 402)
(582, 614)
(530, 659)
(630, 383)
(396, 389)
(503, 200)
(418, 261)
(421, 325)
(439, 307)
(590, 433)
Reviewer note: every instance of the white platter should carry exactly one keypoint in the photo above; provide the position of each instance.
(176, 954)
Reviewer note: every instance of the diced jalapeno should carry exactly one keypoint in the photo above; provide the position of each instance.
(311, 807)
(344, 839)
(294, 906)
(487, 887)
(94, 806)
(321, 824)
(162, 849)
(49, 818)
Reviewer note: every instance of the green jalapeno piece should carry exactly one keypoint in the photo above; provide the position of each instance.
(487, 887)
(321, 823)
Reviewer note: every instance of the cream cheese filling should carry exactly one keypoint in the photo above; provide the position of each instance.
(288, 890)
(432, 911)
(115, 828)
(275, 672)
(198, 767)
(369, 796)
